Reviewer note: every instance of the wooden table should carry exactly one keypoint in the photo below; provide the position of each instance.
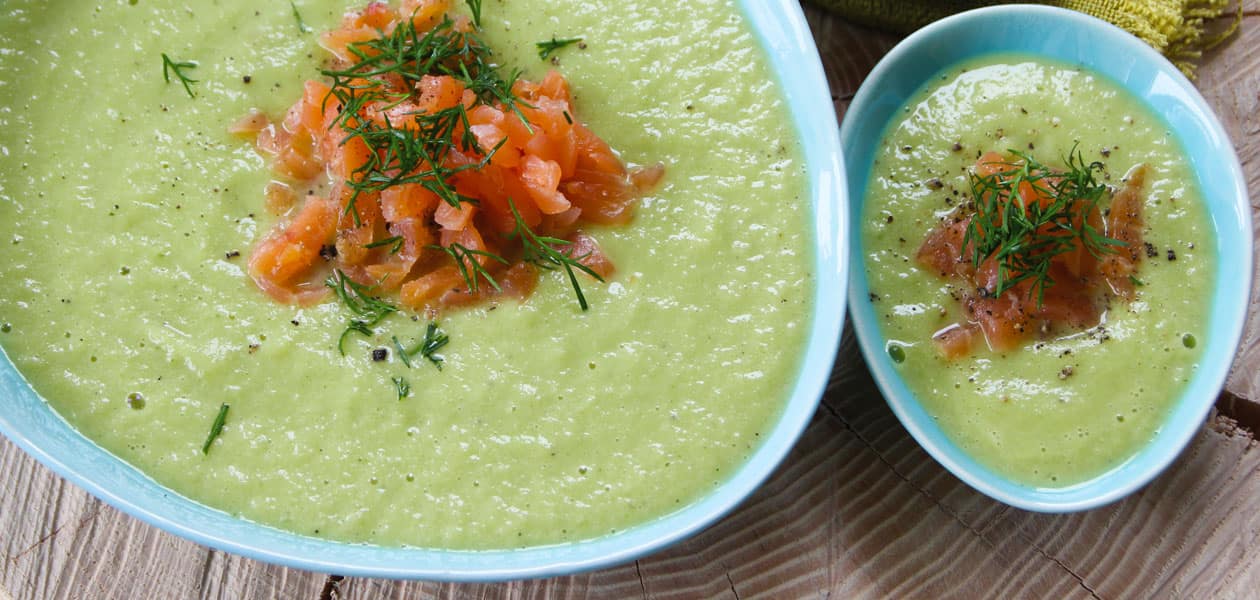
(857, 509)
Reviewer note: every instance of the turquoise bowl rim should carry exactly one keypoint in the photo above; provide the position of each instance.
(1077, 39)
(781, 29)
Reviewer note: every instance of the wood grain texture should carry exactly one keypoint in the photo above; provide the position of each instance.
(857, 509)
(1231, 83)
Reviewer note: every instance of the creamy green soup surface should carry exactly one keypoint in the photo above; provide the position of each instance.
(123, 203)
(1062, 409)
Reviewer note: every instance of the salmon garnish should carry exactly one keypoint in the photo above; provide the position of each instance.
(444, 181)
(249, 125)
(285, 264)
(1046, 272)
(955, 340)
(1124, 223)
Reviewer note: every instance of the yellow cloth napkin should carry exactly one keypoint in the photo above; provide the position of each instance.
(1177, 28)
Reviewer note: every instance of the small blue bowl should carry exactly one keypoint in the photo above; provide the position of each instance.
(783, 33)
(1074, 38)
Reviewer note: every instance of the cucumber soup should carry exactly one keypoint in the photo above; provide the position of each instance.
(1061, 409)
(126, 210)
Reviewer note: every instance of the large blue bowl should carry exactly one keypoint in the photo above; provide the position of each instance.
(1074, 38)
(780, 26)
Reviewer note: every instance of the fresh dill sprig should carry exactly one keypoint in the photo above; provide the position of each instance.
(434, 339)
(170, 66)
(545, 49)
(358, 298)
(216, 428)
(474, 7)
(415, 147)
(465, 257)
(1025, 238)
(415, 150)
(403, 355)
(402, 387)
(542, 252)
(355, 326)
(302, 26)
(395, 244)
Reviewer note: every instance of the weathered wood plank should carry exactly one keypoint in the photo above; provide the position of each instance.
(1230, 81)
(857, 509)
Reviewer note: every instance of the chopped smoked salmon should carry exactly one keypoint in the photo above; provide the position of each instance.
(413, 167)
(1004, 301)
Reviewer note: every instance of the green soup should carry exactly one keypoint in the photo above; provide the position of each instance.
(1060, 410)
(123, 202)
